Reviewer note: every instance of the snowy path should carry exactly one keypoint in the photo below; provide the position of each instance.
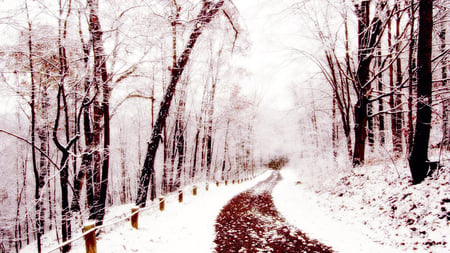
(301, 209)
(251, 223)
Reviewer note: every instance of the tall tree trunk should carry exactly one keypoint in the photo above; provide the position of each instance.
(368, 33)
(102, 111)
(411, 77)
(397, 115)
(334, 129)
(37, 195)
(205, 16)
(179, 136)
(210, 113)
(445, 100)
(194, 163)
(85, 172)
(124, 182)
(43, 135)
(419, 154)
(381, 124)
(64, 169)
(225, 152)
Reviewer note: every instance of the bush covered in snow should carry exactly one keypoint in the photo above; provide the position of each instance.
(277, 163)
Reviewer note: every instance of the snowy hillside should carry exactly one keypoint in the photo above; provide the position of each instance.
(373, 209)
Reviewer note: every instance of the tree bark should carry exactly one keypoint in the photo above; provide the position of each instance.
(419, 154)
(101, 110)
(445, 101)
(397, 117)
(205, 16)
(411, 76)
(84, 174)
(37, 188)
(368, 33)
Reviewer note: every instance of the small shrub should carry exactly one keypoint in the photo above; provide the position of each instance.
(277, 163)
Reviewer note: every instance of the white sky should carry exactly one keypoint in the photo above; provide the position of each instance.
(275, 69)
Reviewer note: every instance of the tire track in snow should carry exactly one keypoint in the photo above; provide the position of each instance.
(251, 223)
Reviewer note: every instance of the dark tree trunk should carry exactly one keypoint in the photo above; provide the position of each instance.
(85, 172)
(397, 115)
(446, 101)
(334, 129)
(419, 154)
(64, 171)
(194, 163)
(180, 150)
(37, 188)
(65, 212)
(179, 137)
(66, 229)
(101, 110)
(368, 33)
(411, 76)
(381, 124)
(209, 127)
(205, 16)
(370, 126)
(225, 151)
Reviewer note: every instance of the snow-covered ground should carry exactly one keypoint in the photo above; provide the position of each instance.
(181, 227)
(373, 209)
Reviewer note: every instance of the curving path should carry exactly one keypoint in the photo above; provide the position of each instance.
(250, 222)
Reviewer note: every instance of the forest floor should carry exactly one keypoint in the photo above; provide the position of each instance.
(372, 209)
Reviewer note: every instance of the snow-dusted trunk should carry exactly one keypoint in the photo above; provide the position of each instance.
(179, 139)
(381, 119)
(396, 97)
(225, 152)
(411, 76)
(209, 120)
(368, 32)
(446, 100)
(101, 114)
(419, 154)
(37, 188)
(86, 157)
(208, 11)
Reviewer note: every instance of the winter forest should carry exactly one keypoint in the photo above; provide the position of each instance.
(106, 104)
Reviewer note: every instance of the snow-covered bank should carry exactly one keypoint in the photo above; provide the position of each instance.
(370, 210)
(182, 227)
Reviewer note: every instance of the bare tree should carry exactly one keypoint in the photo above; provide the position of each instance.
(207, 13)
(369, 31)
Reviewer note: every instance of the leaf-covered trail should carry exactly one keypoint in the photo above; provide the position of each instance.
(250, 222)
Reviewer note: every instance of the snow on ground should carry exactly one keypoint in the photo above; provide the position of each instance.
(372, 209)
(181, 227)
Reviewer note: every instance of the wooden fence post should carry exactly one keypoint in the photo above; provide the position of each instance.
(90, 238)
(194, 190)
(161, 204)
(134, 216)
(207, 187)
(180, 196)
(217, 183)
